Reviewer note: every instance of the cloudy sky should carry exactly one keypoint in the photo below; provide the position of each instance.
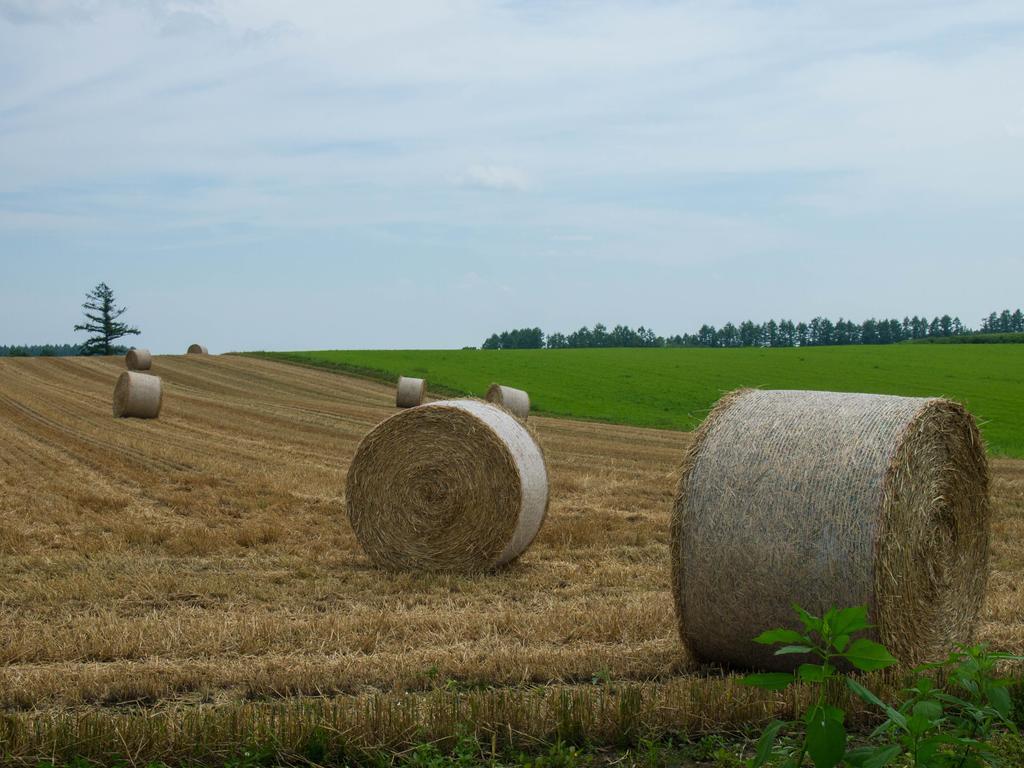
(325, 174)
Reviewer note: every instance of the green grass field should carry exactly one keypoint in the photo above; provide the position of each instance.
(674, 388)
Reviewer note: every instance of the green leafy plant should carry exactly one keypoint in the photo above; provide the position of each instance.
(465, 753)
(945, 726)
(830, 642)
(947, 718)
(559, 755)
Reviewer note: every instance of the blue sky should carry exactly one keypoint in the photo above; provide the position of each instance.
(254, 174)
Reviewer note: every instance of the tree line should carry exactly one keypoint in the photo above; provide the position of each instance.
(40, 350)
(819, 332)
(1004, 322)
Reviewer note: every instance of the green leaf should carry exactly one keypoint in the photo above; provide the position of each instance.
(928, 709)
(811, 623)
(954, 701)
(966, 682)
(870, 698)
(1005, 657)
(766, 742)
(873, 757)
(772, 681)
(794, 649)
(850, 620)
(883, 756)
(999, 699)
(826, 739)
(780, 636)
(928, 748)
(834, 713)
(960, 740)
(918, 724)
(867, 655)
(856, 756)
(840, 643)
(811, 673)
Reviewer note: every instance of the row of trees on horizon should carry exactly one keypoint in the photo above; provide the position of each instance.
(102, 315)
(40, 350)
(819, 332)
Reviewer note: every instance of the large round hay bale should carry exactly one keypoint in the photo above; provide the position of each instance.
(138, 360)
(410, 392)
(138, 394)
(197, 349)
(454, 485)
(514, 400)
(826, 499)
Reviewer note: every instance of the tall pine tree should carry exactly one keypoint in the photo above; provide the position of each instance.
(102, 313)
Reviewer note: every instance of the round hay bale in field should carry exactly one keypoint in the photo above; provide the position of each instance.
(826, 499)
(138, 360)
(138, 394)
(455, 485)
(410, 392)
(515, 400)
(197, 349)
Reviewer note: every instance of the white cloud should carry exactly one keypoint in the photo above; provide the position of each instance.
(496, 177)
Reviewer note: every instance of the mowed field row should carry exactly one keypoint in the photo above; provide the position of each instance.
(206, 556)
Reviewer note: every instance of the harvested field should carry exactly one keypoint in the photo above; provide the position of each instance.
(206, 556)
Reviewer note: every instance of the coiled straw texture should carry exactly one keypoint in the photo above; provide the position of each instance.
(138, 360)
(410, 392)
(824, 500)
(455, 485)
(197, 349)
(138, 395)
(515, 400)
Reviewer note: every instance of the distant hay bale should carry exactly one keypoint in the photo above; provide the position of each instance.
(454, 485)
(826, 499)
(515, 400)
(197, 349)
(138, 360)
(410, 392)
(138, 395)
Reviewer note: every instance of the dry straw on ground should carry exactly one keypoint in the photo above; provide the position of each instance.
(829, 499)
(515, 400)
(138, 395)
(138, 360)
(410, 392)
(167, 571)
(456, 485)
(197, 349)
(504, 718)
